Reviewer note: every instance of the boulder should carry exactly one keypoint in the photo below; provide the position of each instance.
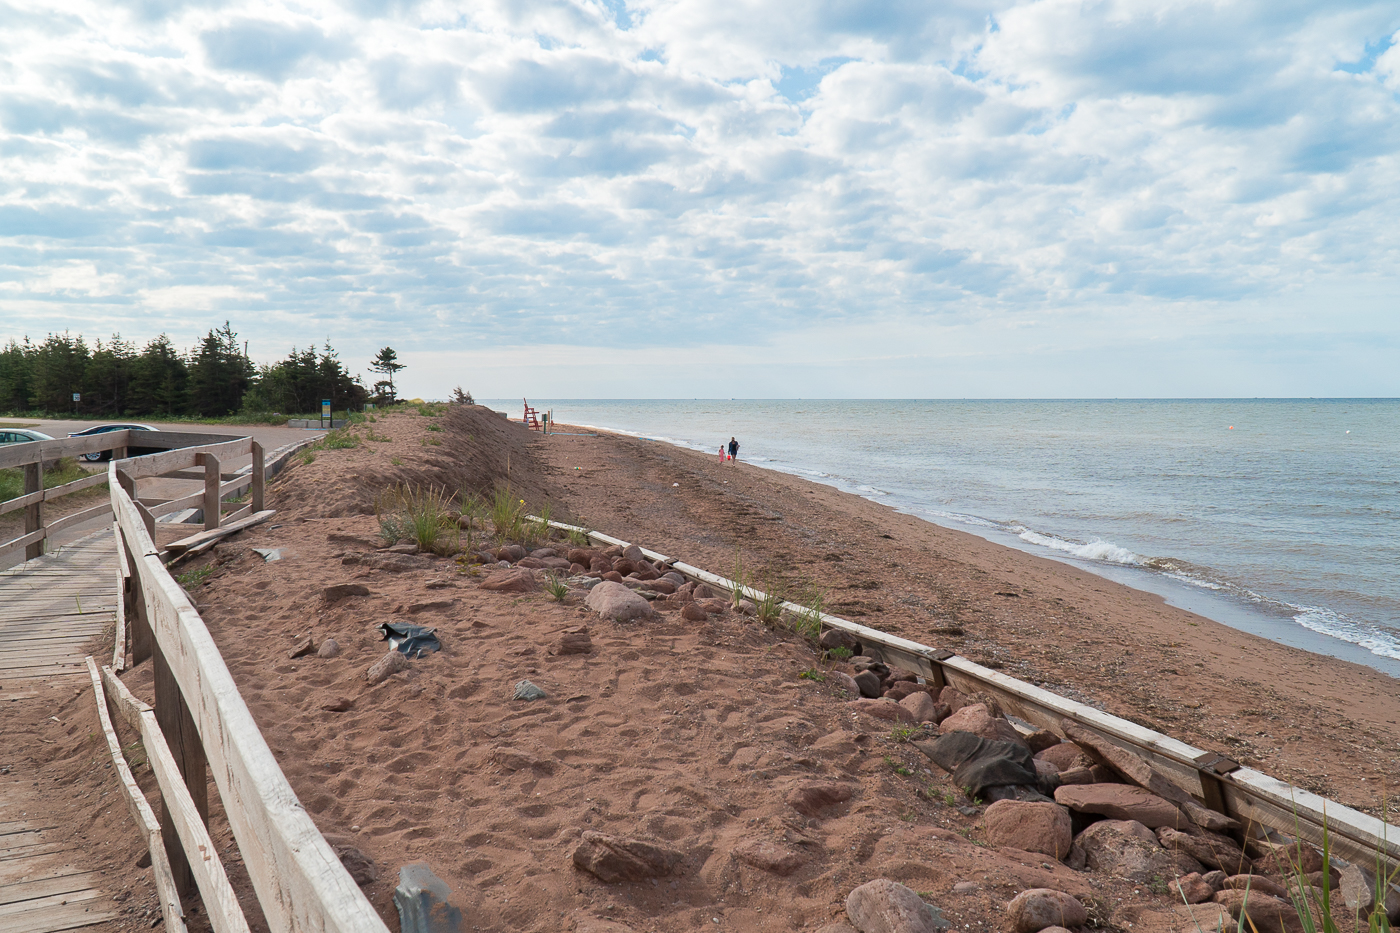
(868, 683)
(1192, 889)
(621, 858)
(633, 553)
(510, 552)
(811, 798)
(1124, 849)
(1267, 914)
(977, 720)
(581, 555)
(920, 705)
(770, 856)
(1034, 910)
(845, 682)
(515, 580)
(599, 564)
(1031, 827)
(883, 708)
(884, 906)
(612, 600)
(1118, 802)
(1211, 849)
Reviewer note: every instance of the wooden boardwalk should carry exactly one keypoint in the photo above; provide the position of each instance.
(49, 609)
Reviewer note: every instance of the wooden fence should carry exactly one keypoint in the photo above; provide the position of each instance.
(200, 725)
(1262, 804)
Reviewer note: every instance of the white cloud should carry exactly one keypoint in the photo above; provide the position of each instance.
(672, 174)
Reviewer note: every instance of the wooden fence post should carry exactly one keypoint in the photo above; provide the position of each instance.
(138, 618)
(33, 514)
(211, 489)
(177, 725)
(259, 477)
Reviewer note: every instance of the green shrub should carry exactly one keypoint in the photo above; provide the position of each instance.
(423, 515)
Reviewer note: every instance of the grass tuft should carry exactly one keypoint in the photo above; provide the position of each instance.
(423, 515)
(555, 588)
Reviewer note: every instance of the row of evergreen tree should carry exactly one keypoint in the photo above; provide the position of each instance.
(216, 378)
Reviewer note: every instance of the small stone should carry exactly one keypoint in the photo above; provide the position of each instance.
(747, 607)
(921, 706)
(302, 648)
(965, 887)
(573, 643)
(882, 709)
(979, 721)
(769, 856)
(1125, 849)
(339, 705)
(834, 638)
(1208, 848)
(693, 613)
(1268, 914)
(514, 580)
(845, 681)
(343, 591)
(953, 698)
(1042, 739)
(361, 867)
(633, 553)
(619, 858)
(1286, 858)
(1034, 910)
(510, 759)
(812, 798)
(713, 606)
(868, 683)
(1216, 879)
(1254, 883)
(1355, 888)
(884, 906)
(510, 552)
(1192, 889)
(528, 691)
(329, 648)
(1066, 756)
(1031, 827)
(386, 667)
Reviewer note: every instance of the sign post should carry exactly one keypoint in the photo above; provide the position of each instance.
(326, 412)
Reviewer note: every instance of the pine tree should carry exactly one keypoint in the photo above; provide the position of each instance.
(386, 362)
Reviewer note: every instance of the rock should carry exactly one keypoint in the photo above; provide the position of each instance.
(573, 643)
(1356, 889)
(557, 563)
(898, 690)
(361, 867)
(1208, 848)
(515, 580)
(527, 691)
(392, 563)
(302, 648)
(530, 563)
(633, 553)
(329, 648)
(1048, 774)
(612, 600)
(884, 906)
(1065, 756)
(1255, 883)
(341, 591)
(422, 901)
(1042, 739)
(577, 569)
(543, 552)
(703, 591)
(921, 706)
(1215, 878)
(1268, 914)
(1034, 910)
(1192, 889)
(621, 858)
(868, 684)
(693, 613)
(953, 698)
(882, 709)
(845, 682)
(624, 567)
(1118, 802)
(665, 587)
(836, 926)
(1286, 858)
(978, 721)
(747, 607)
(965, 887)
(674, 577)
(812, 798)
(386, 667)
(339, 705)
(1138, 771)
(1124, 849)
(581, 555)
(712, 606)
(1031, 827)
(600, 564)
(770, 856)
(612, 576)
(1076, 776)
(513, 760)
(837, 638)
(403, 549)
(510, 552)
(1208, 917)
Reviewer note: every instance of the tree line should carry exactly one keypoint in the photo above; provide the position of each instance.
(214, 379)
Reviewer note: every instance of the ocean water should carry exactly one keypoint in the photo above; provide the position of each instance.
(1275, 516)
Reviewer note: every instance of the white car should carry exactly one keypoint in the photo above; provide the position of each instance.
(22, 436)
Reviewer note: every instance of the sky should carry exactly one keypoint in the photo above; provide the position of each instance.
(684, 198)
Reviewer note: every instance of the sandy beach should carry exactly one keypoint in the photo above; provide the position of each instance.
(694, 735)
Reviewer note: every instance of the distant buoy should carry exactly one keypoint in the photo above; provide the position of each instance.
(1348, 432)
(1232, 427)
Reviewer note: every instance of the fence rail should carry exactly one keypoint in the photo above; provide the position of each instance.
(1263, 805)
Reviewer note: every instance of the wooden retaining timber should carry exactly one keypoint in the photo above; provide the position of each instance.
(1263, 805)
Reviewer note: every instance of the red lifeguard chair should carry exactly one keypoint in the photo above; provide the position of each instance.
(532, 417)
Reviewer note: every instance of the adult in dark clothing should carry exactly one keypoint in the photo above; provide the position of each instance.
(733, 450)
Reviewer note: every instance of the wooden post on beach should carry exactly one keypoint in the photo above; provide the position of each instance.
(259, 477)
(211, 489)
(176, 723)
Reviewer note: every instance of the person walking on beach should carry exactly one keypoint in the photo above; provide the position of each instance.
(733, 450)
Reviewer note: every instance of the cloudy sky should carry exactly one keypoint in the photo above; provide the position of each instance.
(675, 198)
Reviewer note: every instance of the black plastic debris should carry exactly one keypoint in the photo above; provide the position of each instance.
(412, 641)
(422, 900)
(979, 764)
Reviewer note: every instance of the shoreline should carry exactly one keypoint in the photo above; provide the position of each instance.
(1323, 723)
(1252, 613)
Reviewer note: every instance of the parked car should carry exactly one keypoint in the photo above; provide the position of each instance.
(99, 455)
(22, 436)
